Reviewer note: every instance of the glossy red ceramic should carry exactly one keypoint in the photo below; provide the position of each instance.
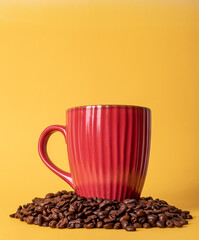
(108, 149)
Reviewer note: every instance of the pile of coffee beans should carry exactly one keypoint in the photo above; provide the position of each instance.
(66, 209)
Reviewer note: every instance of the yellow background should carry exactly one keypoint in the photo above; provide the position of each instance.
(58, 55)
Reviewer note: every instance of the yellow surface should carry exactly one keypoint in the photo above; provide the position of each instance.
(58, 55)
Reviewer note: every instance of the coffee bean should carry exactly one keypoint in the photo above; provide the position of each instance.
(137, 225)
(162, 218)
(141, 213)
(142, 220)
(90, 225)
(68, 210)
(87, 213)
(133, 218)
(78, 225)
(71, 225)
(99, 224)
(45, 224)
(124, 223)
(152, 223)
(104, 204)
(107, 220)
(40, 219)
(52, 224)
(152, 217)
(102, 214)
(39, 209)
(160, 224)
(54, 216)
(122, 209)
(109, 208)
(108, 225)
(112, 214)
(146, 225)
(127, 201)
(117, 225)
(30, 219)
(125, 217)
(169, 223)
(183, 221)
(87, 220)
(130, 227)
(49, 195)
(61, 223)
(177, 224)
(60, 204)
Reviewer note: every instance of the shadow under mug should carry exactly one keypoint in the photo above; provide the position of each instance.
(108, 150)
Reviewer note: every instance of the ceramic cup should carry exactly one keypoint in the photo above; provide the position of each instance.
(108, 150)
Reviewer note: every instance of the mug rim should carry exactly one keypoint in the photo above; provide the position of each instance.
(106, 106)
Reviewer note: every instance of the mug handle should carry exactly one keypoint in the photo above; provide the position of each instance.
(42, 144)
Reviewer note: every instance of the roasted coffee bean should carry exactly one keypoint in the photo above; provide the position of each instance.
(45, 224)
(68, 210)
(78, 225)
(102, 214)
(122, 209)
(39, 209)
(90, 225)
(125, 217)
(73, 199)
(30, 219)
(61, 223)
(71, 225)
(177, 224)
(107, 220)
(103, 204)
(152, 223)
(109, 208)
(137, 225)
(87, 213)
(108, 225)
(133, 217)
(169, 223)
(160, 224)
(113, 214)
(130, 227)
(35, 222)
(99, 224)
(127, 201)
(93, 216)
(49, 195)
(87, 220)
(183, 221)
(117, 225)
(152, 217)
(44, 213)
(162, 218)
(142, 220)
(141, 213)
(61, 215)
(146, 225)
(60, 204)
(40, 219)
(124, 223)
(54, 216)
(80, 207)
(52, 224)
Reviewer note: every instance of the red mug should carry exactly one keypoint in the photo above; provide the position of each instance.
(108, 150)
